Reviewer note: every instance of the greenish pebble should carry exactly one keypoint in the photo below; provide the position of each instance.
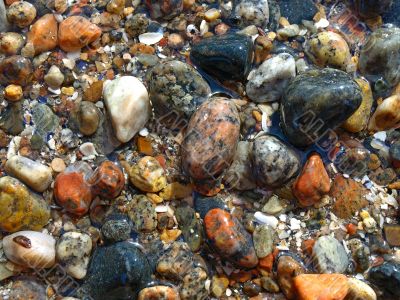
(191, 227)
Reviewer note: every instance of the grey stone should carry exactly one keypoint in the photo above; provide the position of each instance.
(330, 255)
(45, 120)
(263, 239)
(4, 25)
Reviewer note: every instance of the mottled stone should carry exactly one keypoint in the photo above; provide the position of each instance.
(142, 213)
(328, 48)
(226, 56)
(73, 251)
(118, 271)
(321, 286)
(21, 13)
(330, 255)
(203, 205)
(175, 262)
(148, 175)
(159, 292)
(229, 238)
(107, 180)
(192, 229)
(25, 288)
(34, 174)
(348, 196)
(194, 285)
(297, 10)
(313, 182)
(380, 56)
(267, 83)
(386, 115)
(13, 93)
(21, 209)
(316, 102)
(116, 228)
(372, 8)
(76, 32)
(387, 278)
(176, 91)
(274, 162)
(164, 9)
(16, 70)
(176, 191)
(45, 120)
(136, 25)
(30, 249)
(11, 42)
(44, 34)
(288, 268)
(263, 239)
(359, 290)
(251, 12)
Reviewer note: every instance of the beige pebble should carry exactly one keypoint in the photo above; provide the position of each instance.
(58, 165)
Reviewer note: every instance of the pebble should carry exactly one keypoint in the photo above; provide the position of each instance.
(380, 56)
(229, 238)
(73, 251)
(192, 229)
(116, 228)
(360, 290)
(226, 56)
(107, 180)
(267, 83)
(142, 213)
(328, 48)
(76, 32)
(136, 25)
(175, 262)
(316, 102)
(392, 234)
(176, 191)
(193, 285)
(387, 115)
(159, 292)
(27, 288)
(274, 162)
(43, 35)
(219, 284)
(13, 93)
(386, 277)
(288, 31)
(148, 175)
(117, 271)
(88, 118)
(372, 8)
(288, 268)
(21, 209)
(330, 256)
(358, 121)
(54, 78)
(30, 249)
(251, 289)
(263, 239)
(4, 25)
(321, 286)
(34, 174)
(275, 206)
(394, 154)
(15, 70)
(21, 13)
(313, 183)
(251, 12)
(116, 6)
(210, 141)
(11, 43)
(269, 284)
(176, 91)
(57, 165)
(125, 97)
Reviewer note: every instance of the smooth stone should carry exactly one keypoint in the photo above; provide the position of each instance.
(203, 205)
(394, 154)
(76, 32)
(297, 10)
(358, 121)
(229, 238)
(15, 69)
(73, 251)
(275, 206)
(116, 272)
(159, 292)
(392, 234)
(313, 182)
(142, 213)
(321, 286)
(316, 102)
(239, 175)
(54, 78)
(269, 80)
(210, 139)
(226, 56)
(386, 115)
(21, 209)
(4, 25)
(372, 8)
(12, 119)
(359, 290)
(176, 91)
(44, 34)
(194, 285)
(380, 56)
(104, 138)
(11, 43)
(219, 284)
(251, 12)
(128, 106)
(34, 174)
(288, 268)
(30, 249)
(21, 13)
(148, 175)
(116, 228)
(107, 180)
(192, 229)
(26, 287)
(269, 284)
(87, 118)
(274, 163)
(387, 278)
(263, 240)
(330, 255)
(328, 49)
(45, 120)
(13, 93)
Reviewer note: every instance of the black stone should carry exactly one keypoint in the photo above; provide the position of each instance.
(116, 272)
(116, 228)
(297, 10)
(392, 16)
(227, 57)
(372, 8)
(387, 278)
(315, 103)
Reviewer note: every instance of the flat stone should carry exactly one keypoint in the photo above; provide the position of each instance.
(329, 255)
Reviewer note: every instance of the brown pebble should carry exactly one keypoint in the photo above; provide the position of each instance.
(13, 92)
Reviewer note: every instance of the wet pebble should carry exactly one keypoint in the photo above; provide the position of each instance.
(11, 43)
(263, 239)
(116, 228)
(360, 290)
(330, 255)
(27, 288)
(387, 115)
(13, 93)
(287, 269)
(21, 13)
(16, 70)
(136, 25)
(143, 214)
(148, 175)
(54, 78)
(159, 292)
(107, 180)
(191, 227)
(175, 262)
(88, 118)
(251, 12)
(160, 9)
(194, 285)
(321, 286)
(43, 35)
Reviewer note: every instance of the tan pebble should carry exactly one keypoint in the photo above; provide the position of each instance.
(169, 236)
(387, 115)
(69, 91)
(176, 191)
(58, 165)
(212, 15)
(283, 22)
(13, 92)
(154, 198)
(176, 41)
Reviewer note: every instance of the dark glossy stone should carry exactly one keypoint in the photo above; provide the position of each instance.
(297, 10)
(116, 272)
(387, 278)
(192, 230)
(372, 8)
(380, 56)
(316, 102)
(15, 70)
(203, 204)
(225, 57)
(229, 238)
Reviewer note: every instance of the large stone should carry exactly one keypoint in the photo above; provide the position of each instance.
(128, 106)
(387, 278)
(225, 57)
(330, 255)
(316, 102)
(44, 34)
(372, 8)
(321, 286)
(297, 10)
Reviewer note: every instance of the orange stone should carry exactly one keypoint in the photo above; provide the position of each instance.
(43, 34)
(144, 146)
(313, 182)
(307, 246)
(73, 193)
(77, 32)
(108, 180)
(266, 263)
(351, 229)
(321, 286)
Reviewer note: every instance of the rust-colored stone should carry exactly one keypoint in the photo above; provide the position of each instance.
(108, 180)
(321, 286)
(43, 34)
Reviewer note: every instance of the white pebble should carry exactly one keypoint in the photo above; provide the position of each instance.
(268, 220)
(150, 38)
